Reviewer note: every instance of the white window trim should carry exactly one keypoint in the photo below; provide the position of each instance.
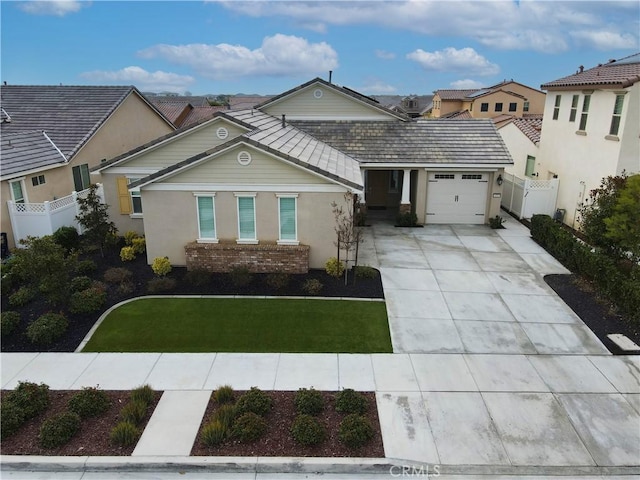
(22, 186)
(201, 239)
(134, 214)
(247, 241)
(280, 240)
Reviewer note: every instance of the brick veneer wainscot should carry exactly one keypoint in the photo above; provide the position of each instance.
(261, 258)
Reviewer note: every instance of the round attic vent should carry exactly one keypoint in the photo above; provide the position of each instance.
(317, 93)
(244, 158)
(222, 133)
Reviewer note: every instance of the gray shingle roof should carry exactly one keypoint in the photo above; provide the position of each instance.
(445, 141)
(26, 151)
(618, 73)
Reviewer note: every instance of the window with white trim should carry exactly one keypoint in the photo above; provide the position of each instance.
(287, 218)
(206, 218)
(81, 179)
(556, 107)
(617, 113)
(525, 107)
(246, 218)
(38, 180)
(574, 108)
(17, 192)
(585, 112)
(136, 199)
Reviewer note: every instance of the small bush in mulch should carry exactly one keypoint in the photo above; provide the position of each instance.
(59, 429)
(213, 433)
(248, 427)
(89, 300)
(161, 284)
(22, 296)
(117, 275)
(11, 419)
(30, 397)
(9, 322)
(226, 415)
(364, 271)
(127, 254)
(309, 402)
(312, 286)
(134, 411)
(86, 267)
(89, 402)
(124, 434)
(240, 276)
(278, 281)
(254, 401)
(355, 431)
(307, 430)
(334, 267)
(161, 266)
(350, 401)
(224, 394)
(197, 278)
(80, 283)
(47, 329)
(143, 393)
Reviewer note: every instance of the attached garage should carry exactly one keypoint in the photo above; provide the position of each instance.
(457, 197)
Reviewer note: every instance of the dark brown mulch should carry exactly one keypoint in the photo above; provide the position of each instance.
(278, 441)
(220, 284)
(598, 315)
(91, 439)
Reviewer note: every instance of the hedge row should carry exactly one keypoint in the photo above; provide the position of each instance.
(622, 288)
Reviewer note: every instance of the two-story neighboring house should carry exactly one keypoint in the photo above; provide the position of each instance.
(522, 138)
(53, 135)
(505, 98)
(591, 129)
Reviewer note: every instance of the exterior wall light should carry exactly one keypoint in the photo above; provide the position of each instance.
(499, 180)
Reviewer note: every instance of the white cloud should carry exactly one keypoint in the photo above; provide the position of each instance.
(466, 84)
(377, 87)
(384, 55)
(148, 81)
(59, 8)
(453, 60)
(279, 55)
(604, 40)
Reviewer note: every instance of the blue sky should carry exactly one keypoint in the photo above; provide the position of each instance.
(267, 47)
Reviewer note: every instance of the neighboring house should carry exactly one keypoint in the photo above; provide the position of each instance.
(413, 106)
(590, 130)
(184, 111)
(255, 186)
(522, 138)
(506, 98)
(53, 135)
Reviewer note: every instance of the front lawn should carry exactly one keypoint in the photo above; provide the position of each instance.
(244, 325)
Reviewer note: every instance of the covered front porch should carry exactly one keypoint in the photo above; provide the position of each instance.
(389, 192)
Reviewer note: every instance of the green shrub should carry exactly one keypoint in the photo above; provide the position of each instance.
(334, 267)
(350, 401)
(224, 394)
(89, 402)
(496, 222)
(277, 281)
(355, 431)
(363, 271)
(126, 288)
(127, 254)
(139, 245)
(407, 219)
(79, 283)
(31, 398)
(161, 284)
(11, 419)
(226, 415)
(197, 278)
(161, 266)
(59, 429)
(240, 276)
(22, 296)
(124, 434)
(249, 427)
(87, 301)
(134, 412)
(117, 275)
(307, 430)
(312, 286)
(9, 321)
(47, 328)
(129, 237)
(255, 401)
(143, 393)
(85, 267)
(309, 402)
(213, 433)
(67, 238)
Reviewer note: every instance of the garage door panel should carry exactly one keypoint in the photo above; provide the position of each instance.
(456, 197)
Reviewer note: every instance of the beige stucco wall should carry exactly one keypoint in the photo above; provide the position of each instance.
(447, 106)
(582, 159)
(497, 97)
(519, 147)
(536, 98)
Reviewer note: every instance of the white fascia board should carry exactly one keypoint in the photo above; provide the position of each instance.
(140, 171)
(346, 119)
(432, 166)
(33, 171)
(279, 188)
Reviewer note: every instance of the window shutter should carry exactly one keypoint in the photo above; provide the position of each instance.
(287, 218)
(123, 195)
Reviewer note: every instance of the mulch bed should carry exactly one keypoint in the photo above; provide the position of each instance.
(91, 439)
(278, 441)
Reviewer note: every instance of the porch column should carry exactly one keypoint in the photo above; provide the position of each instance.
(405, 202)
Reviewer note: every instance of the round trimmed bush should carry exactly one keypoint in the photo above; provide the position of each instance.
(363, 271)
(85, 267)
(117, 275)
(224, 394)
(22, 296)
(80, 283)
(89, 300)
(350, 401)
(161, 284)
(161, 266)
(89, 402)
(355, 431)
(127, 254)
(254, 401)
(30, 397)
(139, 245)
(67, 238)
(312, 286)
(309, 402)
(134, 412)
(11, 419)
(249, 427)
(47, 328)
(213, 433)
(307, 430)
(278, 280)
(9, 321)
(130, 236)
(59, 429)
(334, 267)
(124, 434)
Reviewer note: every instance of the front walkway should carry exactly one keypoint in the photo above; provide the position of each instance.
(492, 373)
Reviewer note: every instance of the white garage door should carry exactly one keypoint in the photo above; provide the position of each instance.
(459, 197)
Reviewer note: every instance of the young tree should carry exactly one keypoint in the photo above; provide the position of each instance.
(349, 234)
(623, 225)
(94, 218)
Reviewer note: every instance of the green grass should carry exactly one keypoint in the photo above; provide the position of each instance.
(244, 325)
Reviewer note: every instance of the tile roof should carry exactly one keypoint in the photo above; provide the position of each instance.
(617, 74)
(200, 114)
(174, 110)
(531, 127)
(195, 100)
(27, 151)
(443, 141)
(463, 115)
(454, 94)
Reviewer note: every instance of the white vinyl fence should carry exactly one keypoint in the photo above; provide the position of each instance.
(40, 219)
(526, 197)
